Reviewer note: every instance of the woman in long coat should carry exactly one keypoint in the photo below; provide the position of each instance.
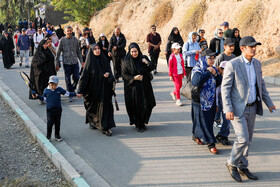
(174, 37)
(205, 78)
(138, 91)
(7, 48)
(42, 67)
(96, 85)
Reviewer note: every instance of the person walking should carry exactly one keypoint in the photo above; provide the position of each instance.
(42, 67)
(191, 53)
(7, 48)
(30, 32)
(174, 37)
(201, 40)
(117, 51)
(243, 91)
(154, 42)
(38, 37)
(205, 79)
(24, 46)
(138, 90)
(96, 85)
(236, 39)
(176, 72)
(217, 43)
(104, 45)
(70, 49)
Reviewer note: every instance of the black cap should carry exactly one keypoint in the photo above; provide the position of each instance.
(208, 52)
(249, 41)
(228, 42)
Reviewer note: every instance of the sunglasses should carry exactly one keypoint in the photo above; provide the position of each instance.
(220, 32)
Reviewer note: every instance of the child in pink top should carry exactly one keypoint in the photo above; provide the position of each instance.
(176, 71)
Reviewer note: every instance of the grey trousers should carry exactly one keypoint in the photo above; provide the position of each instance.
(244, 128)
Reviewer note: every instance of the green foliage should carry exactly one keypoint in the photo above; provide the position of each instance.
(80, 10)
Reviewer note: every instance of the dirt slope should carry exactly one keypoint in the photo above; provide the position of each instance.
(259, 18)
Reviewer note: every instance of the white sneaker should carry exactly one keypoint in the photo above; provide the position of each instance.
(173, 96)
(179, 103)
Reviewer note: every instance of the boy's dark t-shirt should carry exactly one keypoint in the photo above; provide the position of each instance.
(54, 97)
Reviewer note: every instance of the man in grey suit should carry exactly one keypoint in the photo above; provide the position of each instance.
(243, 90)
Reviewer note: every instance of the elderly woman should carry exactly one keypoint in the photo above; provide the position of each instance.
(96, 85)
(205, 79)
(138, 91)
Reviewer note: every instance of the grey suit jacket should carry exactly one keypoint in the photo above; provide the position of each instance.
(235, 87)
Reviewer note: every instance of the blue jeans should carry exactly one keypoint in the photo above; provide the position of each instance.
(74, 71)
(225, 129)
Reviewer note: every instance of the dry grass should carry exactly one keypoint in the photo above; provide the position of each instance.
(193, 17)
(162, 14)
(250, 17)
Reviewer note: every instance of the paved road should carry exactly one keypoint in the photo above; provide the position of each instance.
(164, 155)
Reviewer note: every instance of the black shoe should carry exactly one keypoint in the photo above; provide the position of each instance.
(20, 64)
(27, 66)
(92, 127)
(155, 72)
(139, 129)
(247, 173)
(58, 138)
(225, 141)
(107, 132)
(234, 173)
(48, 137)
(218, 138)
(145, 127)
(117, 80)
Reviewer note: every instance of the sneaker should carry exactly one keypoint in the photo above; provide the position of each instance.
(179, 103)
(173, 96)
(70, 99)
(58, 138)
(217, 124)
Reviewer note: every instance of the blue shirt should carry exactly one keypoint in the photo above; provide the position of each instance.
(252, 78)
(53, 97)
(24, 42)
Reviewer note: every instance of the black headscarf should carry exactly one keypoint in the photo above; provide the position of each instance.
(137, 62)
(233, 36)
(175, 37)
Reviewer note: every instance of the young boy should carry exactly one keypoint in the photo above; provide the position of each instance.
(222, 136)
(176, 71)
(52, 96)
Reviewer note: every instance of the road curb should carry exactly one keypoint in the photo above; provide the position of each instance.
(69, 172)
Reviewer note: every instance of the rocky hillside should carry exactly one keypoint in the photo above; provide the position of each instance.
(259, 18)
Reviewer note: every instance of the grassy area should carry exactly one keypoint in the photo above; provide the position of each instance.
(250, 17)
(162, 14)
(193, 17)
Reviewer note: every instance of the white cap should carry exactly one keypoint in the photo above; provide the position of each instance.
(223, 64)
(102, 34)
(175, 46)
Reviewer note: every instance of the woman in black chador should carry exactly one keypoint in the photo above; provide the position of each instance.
(138, 91)
(174, 37)
(96, 85)
(7, 48)
(42, 67)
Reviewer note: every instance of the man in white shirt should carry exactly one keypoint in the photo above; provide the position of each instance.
(38, 37)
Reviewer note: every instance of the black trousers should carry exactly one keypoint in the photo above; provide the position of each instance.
(117, 66)
(189, 73)
(32, 47)
(53, 118)
(154, 58)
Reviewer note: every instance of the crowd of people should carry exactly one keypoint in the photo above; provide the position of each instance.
(225, 79)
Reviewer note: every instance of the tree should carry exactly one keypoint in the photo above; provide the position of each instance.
(80, 10)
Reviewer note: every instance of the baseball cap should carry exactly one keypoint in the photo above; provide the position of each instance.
(102, 34)
(53, 79)
(228, 42)
(23, 29)
(175, 46)
(225, 24)
(223, 64)
(249, 41)
(208, 52)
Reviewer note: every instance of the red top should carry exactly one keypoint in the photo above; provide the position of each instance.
(153, 39)
(173, 71)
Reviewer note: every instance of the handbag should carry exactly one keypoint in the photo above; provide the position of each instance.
(186, 89)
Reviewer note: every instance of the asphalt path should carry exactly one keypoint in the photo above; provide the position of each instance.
(164, 155)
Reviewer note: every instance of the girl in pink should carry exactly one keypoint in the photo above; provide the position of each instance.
(176, 71)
